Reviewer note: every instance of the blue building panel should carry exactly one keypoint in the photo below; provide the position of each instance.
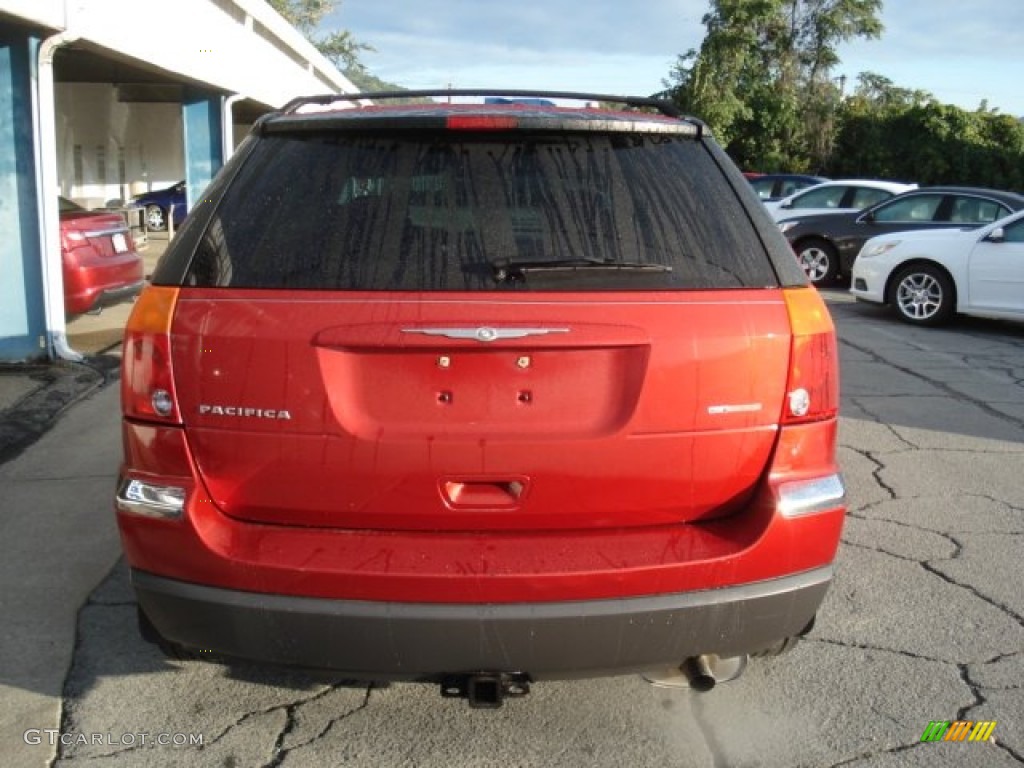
(22, 309)
(204, 147)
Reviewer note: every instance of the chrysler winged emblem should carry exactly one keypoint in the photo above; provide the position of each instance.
(485, 333)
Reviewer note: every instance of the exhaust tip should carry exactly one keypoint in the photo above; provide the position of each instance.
(699, 673)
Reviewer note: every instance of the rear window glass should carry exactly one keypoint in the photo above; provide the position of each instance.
(460, 212)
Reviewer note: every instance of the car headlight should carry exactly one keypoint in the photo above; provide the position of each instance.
(785, 226)
(877, 249)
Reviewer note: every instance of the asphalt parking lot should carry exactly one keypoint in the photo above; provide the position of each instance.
(925, 621)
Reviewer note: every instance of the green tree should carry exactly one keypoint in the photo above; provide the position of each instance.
(886, 131)
(929, 143)
(762, 76)
(339, 47)
(870, 125)
(304, 15)
(879, 92)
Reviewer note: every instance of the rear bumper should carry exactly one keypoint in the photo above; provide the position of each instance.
(110, 296)
(422, 641)
(87, 298)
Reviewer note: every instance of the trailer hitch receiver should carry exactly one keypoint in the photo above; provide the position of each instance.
(486, 690)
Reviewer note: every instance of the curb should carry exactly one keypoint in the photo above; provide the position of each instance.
(61, 385)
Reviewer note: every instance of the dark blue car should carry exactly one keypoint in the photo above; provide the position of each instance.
(158, 204)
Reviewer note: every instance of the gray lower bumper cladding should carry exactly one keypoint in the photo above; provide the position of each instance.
(417, 641)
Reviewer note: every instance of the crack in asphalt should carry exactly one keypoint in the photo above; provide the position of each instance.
(979, 700)
(857, 514)
(927, 565)
(66, 720)
(876, 473)
(963, 669)
(995, 500)
(869, 755)
(995, 660)
(879, 467)
(963, 713)
(973, 590)
(979, 697)
(881, 551)
(281, 752)
(1008, 750)
(880, 422)
(244, 718)
(941, 386)
(883, 649)
(288, 708)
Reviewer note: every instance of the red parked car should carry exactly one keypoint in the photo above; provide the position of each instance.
(101, 265)
(480, 394)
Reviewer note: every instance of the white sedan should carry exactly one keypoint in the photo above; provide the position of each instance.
(927, 276)
(835, 197)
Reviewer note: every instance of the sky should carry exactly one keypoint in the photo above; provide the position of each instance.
(960, 52)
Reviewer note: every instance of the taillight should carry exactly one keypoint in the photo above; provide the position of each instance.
(70, 239)
(147, 381)
(804, 476)
(812, 392)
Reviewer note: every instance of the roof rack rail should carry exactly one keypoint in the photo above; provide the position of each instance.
(664, 106)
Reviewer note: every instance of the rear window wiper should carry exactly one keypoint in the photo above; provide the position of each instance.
(510, 270)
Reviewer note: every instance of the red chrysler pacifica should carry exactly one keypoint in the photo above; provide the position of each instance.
(480, 393)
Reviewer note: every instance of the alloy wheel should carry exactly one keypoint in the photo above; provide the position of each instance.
(919, 296)
(155, 219)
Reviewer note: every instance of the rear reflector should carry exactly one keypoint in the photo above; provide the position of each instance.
(149, 500)
(805, 497)
(481, 123)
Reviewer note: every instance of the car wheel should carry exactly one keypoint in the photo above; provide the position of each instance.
(923, 294)
(819, 260)
(155, 218)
